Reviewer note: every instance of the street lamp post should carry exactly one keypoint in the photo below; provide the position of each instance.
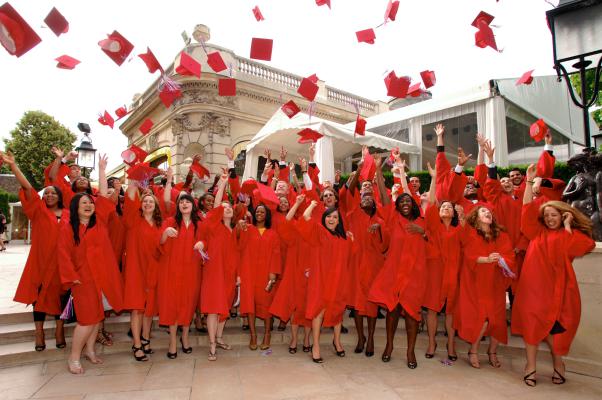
(576, 27)
(86, 153)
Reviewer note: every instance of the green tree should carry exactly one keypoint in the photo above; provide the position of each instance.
(590, 77)
(32, 140)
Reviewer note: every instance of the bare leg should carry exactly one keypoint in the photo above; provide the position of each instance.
(185, 336)
(316, 324)
(268, 324)
(81, 334)
(359, 327)
(559, 368)
(306, 336)
(136, 325)
(90, 353)
(492, 353)
(473, 354)
(173, 335)
(412, 333)
(212, 330)
(431, 328)
(147, 324)
(370, 343)
(451, 334)
(337, 338)
(294, 336)
(253, 331)
(59, 332)
(391, 325)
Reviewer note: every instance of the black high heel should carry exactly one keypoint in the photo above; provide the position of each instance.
(172, 355)
(145, 344)
(317, 360)
(186, 350)
(307, 349)
(143, 357)
(431, 355)
(339, 353)
(529, 380)
(450, 357)
(358, 348)
(557, 380)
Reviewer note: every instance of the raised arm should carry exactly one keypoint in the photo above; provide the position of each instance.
(9, 160)
(401, 164)
(293, 210)
(221, 187)
(58, 159)
(528, 196)
(309, 210)
(382, 189)
(433, 186)
(167, 190)
(132, 189)
(103, 186)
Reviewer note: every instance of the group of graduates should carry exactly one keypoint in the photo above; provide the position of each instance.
(304, 251)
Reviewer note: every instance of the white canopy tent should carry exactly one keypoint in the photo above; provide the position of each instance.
(337, 144)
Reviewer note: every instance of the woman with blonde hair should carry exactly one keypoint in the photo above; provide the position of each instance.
(547, 306)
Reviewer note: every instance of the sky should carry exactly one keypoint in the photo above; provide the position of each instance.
(427, 34)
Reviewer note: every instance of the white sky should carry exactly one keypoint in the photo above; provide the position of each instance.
(427, 34)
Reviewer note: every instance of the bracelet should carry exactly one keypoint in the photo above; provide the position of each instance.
(531, 182)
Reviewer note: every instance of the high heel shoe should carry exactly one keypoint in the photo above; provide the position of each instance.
(93, 358)
(212, 354)
(476, 363)
(449, 356)
(253, 343)
(431, 355)
(143, 357)
(75, 367)
(358, 348)
(529, 380)
(185, 350)
(493, 361)
(307, 349)
(172, 355)
(560, 379)
(338, 353)
(145, 344)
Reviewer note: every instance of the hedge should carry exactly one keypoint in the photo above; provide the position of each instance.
(6, 198)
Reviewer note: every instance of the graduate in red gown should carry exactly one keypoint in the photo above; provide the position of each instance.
(179, 272)
(143, 220)
(290, 298)
(401, 282)
(547, 306)
(260, 264)
(328, 286)
(87, 264)
(444, 228)
(40, 283)
(481, 307)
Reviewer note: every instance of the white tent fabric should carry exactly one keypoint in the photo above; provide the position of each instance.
(337, 144)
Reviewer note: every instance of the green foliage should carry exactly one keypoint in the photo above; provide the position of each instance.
(32, 140)
(590, 76)
(6, 198)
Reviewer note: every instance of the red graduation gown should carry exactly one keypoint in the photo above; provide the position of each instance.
(402, 280)
(179, 275)
(93, 263)
(547, 289)
(142, 261)
(483, 287)
(40, 282)
(444, 255)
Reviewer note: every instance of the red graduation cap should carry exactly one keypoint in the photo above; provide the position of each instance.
(188, 66)
(168, 96)
(56, 22)
(360, 126)
(313, 78)
(415, 90)
(151, 61)
(308, 135)
(484, 37)
(16, 36)
(526, 78)
(106, 119)
(146, 126)
(261, 49)
(428, 77)
(116, 47)
(266, 194)
(308, 89)
(290, 109)
(248, 186)
(226, 87)
(199, 170)
(538, 130)
(216, 62)
(121, 112)
(482, 19)
(134, 155)
(391, 11)
(366, 36)
(257, 13)
(323, 2)
(66, 62)
(397, 86)
(142, 172)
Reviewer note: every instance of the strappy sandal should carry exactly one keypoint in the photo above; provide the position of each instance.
(143, 357)
(40, 347)
(253, 342)
(75, 367)
(103, 339)
(220, 343)
(93, 358)
(431, 355)
(212, 355)
(265, 346)
(449, 356)
(307, 349)
(494, 362)
(474, 364)
(146, 343)
(529, 380)
(558, 380)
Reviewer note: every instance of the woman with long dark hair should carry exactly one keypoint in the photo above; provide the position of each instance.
(143, 220)
(87, 264)
(179, 275)
(260, 264)
(487, 268)
(328, 285)
(401, 283)
(547, 307)
(40, 282)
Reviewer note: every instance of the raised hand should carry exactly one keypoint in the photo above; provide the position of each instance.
(57, 152)
(283, 153)
(102, 162)
(71, 156)
(168, 174)
(481, 139)
(462, 157)
(337, 176)
(267, 167)
(531, 172)
(567, 219)
(267, 153)
(7, 158)
(312, 151)
(489, 150)
(229, 153)
(432, 171)
(300, 199)
(439, 130)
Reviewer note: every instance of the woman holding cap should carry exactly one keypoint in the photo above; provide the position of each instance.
(328, 283)
(486, 273)
(260, 265)
(547, 305)
(88, 268)
(40, 282)
(179, 272)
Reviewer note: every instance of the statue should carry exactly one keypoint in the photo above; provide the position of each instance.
(584, 190)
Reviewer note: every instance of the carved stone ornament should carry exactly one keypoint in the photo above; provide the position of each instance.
(205, 122)
(204, 93)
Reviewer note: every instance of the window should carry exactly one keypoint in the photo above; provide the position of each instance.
(397, 130)
(459, 132)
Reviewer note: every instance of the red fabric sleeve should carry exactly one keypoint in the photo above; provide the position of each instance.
(457, 186)
(31, 206)
(131, 210)
(579, 245)
(529, 224)
(234, 184)
(276, 259)
(480, 174)
(65, 250)
(492, 191)
(443, 179)
(545, 165)
(103, 209)
(284, 173)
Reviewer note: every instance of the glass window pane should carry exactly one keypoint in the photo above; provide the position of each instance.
(459, 132)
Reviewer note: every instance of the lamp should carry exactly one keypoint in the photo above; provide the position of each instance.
(598, 141)
(86, 153)
(576, 27)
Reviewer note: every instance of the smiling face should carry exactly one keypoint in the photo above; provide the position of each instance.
(148, 204)
(260, 214)
(470, 191)
(50, 197)
(332, 220)
(414, 184)
(404, 205)
(366, 188)
(516, 177)
(228, 211)
(367, 203)
(208, 201)
(85, 208)
(552, 218)
(185, 206)
(284, 206)
(281, 188)
(507, 185)
(81, 184)
(485, 217)
(329, 199)
(74, 172)
(446, 210)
